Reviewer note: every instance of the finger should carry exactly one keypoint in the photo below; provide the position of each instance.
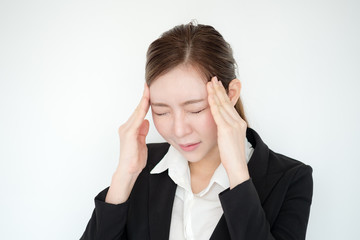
(220, 91)
(144, 105)
(211, 91)
(142, 108)
(219, 114)
(143, 131)
(223, 108)
(224, 99)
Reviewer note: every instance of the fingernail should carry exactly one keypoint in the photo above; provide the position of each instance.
(213, 81)
(211, 84)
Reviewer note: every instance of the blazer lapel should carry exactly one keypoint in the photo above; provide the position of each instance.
(161, 198)
(258, 166)
(258, 170)
(162, 190)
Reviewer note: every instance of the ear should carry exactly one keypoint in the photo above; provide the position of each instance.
(234, 90)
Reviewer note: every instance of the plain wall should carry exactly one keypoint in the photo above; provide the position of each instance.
(71, 72)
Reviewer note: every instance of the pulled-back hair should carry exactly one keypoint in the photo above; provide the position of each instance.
(200, 46)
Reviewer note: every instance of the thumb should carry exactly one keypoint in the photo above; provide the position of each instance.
(144, 130)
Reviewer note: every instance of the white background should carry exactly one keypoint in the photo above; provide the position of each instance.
(71, 72)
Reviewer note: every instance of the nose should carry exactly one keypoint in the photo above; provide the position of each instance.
(180, 126)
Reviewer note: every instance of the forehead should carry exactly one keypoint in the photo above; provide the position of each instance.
(179, 84)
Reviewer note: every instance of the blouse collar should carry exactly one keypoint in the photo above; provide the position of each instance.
(179, 172)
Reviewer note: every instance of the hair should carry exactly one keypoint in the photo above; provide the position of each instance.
(197, 45)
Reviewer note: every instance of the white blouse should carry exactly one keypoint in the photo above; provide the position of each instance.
(194, 216)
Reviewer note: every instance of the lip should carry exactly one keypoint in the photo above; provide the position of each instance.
(189, 147)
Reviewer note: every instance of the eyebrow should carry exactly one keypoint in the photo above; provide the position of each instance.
(183, 104)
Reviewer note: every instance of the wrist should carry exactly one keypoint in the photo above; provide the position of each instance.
(124, 177)
(120, 187)
(238, 176)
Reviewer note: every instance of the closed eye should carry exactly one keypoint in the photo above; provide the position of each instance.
(160, 114)
(197, 112)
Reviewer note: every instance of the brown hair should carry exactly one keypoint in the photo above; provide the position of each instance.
(200, 46)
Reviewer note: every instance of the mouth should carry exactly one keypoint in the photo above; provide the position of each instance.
(189, 147)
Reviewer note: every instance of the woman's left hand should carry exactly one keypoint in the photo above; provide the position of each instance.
(231, 133)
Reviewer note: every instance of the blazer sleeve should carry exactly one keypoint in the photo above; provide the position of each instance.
(246, 218)
(108, 221)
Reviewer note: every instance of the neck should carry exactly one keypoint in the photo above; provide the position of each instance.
(207, 165)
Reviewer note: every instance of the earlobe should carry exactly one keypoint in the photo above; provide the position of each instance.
(234, 90)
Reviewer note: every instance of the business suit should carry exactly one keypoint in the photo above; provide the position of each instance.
(273, 204)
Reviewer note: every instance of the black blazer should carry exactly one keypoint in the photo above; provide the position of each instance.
(273, 204)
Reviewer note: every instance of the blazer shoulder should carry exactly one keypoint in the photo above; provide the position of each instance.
(156, 151)
(281, 163)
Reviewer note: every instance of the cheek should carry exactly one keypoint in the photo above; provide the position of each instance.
(207, 124)
(161, 125)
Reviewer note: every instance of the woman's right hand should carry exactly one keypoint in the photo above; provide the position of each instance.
(133, 149)
(133, 152)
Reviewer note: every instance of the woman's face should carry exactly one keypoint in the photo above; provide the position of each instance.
(182, 114)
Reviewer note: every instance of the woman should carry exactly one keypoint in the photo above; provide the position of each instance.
(214, 178)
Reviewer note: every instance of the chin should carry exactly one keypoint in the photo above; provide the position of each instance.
(192, 159)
